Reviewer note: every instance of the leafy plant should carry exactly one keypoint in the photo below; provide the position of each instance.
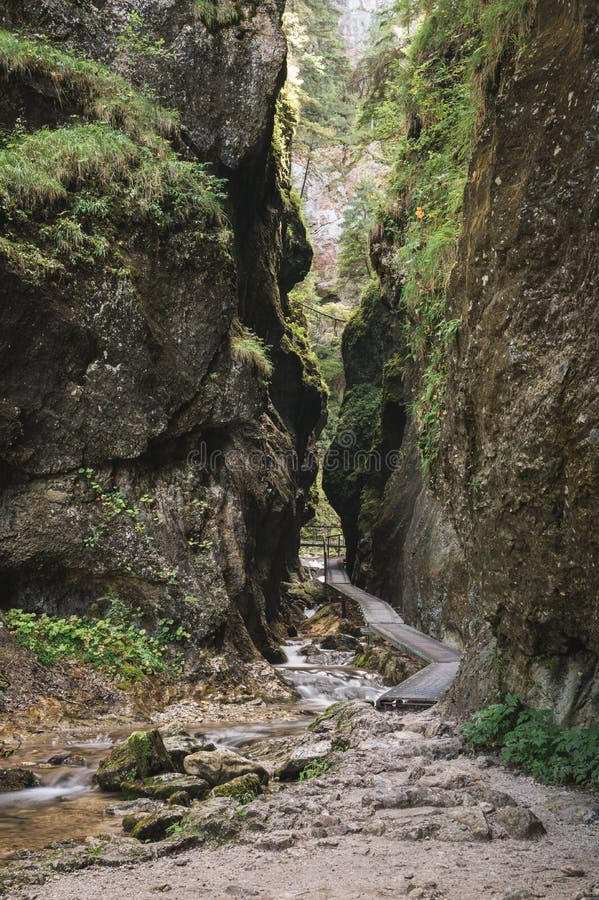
(117, 644)
(530, 740)
(314, 769)
(489, 727)
(136, 41)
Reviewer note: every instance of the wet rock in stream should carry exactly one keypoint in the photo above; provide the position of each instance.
(16, 779)
(162, 787)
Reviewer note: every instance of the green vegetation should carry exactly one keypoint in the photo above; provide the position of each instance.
(354, 267)
(136, 41)
(320, 76)
(216, 14)
(530, 740)
(314, 769)
(436, 87)
(93, 90)
(243, 789)
(249, 348)
(117, 643)
(67, 193)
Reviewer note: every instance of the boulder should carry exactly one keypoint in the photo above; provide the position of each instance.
(310, 752)
(518, 822)
(162, 787)
(219, 766)
(141, 755)
(473, 820)
(179, 798)
(179, 744)
(67, 759)
(130, 807)
(243, 789)
(345, 642)
(155, 826)
(17, 779)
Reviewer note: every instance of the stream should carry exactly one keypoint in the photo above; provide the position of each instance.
(67, 805)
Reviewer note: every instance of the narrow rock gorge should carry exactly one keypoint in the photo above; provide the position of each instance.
(481, 525)
(299, 496)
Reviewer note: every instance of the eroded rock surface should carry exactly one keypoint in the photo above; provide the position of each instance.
(401, 807)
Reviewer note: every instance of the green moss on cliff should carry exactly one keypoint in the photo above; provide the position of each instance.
(98, 93)
(436, 90)
(67, 193)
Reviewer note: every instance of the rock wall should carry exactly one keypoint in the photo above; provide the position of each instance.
(521, 447)
(500, 556)
(141, 454)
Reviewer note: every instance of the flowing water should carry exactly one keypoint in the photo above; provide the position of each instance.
(66, 804)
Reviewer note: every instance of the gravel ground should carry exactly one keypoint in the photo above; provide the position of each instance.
(401, 812)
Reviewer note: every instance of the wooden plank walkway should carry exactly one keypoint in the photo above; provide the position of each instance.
(425, 687)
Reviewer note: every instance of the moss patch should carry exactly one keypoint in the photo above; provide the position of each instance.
(243, 789)
(141, 755)
(69, 192)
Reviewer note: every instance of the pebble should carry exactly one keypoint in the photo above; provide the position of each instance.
(573, 871)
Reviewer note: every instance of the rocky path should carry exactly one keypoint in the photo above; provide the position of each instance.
(428, 685)
(400, 811)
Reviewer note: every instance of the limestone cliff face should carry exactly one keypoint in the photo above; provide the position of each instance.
(521, 447)
(501, 555)
(190, 504)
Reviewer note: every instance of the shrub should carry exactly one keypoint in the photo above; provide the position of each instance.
(116, 644)
(531, 741)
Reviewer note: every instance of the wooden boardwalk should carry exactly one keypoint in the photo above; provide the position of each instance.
(425, 687)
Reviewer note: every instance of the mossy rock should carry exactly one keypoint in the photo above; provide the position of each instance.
(162, 787)
(155, 827)
(179, 798)
(143, 754)
(179, 744)
(243, 789)
(220, 766)
(16, 779)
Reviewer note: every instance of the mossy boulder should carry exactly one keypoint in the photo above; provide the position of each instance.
(16, 779)
(143, 754)
(155, 826)
(220, 766)
(162, 787)
(242, 789)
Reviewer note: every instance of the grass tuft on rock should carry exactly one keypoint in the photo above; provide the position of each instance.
(99, 93)
(68, 193)
(247, 347)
